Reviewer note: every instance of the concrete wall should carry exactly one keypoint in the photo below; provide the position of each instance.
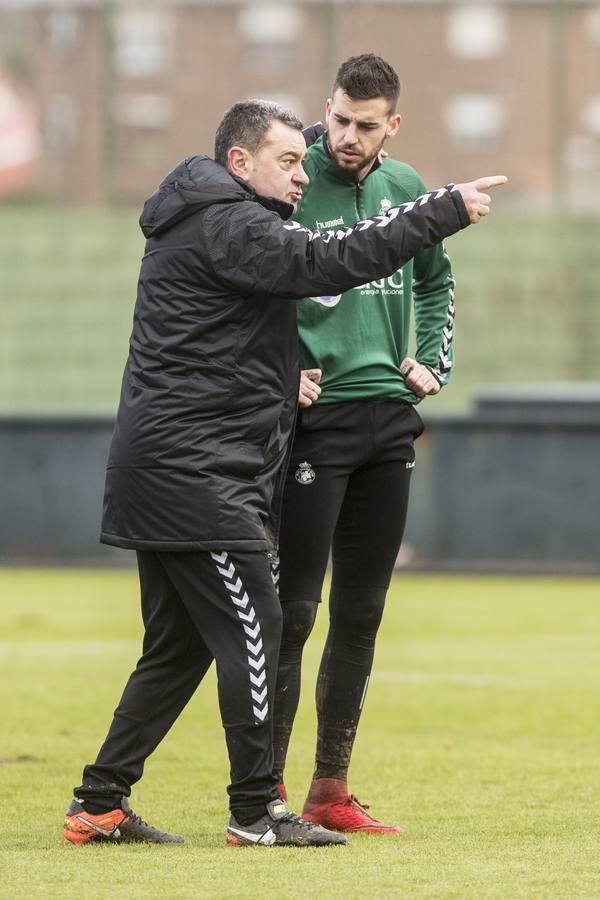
(51, 490)
(514, 486)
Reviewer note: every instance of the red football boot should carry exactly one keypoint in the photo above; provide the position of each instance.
(329, 804)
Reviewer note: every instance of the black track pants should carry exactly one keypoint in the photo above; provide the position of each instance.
(347, 490)
(198, 607)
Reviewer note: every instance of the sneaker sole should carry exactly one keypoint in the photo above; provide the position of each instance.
(234, 841)
(366, 829)
(82, 837)
(74, 837)
(396, 830)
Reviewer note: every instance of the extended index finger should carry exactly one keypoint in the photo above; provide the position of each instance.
(490, 181)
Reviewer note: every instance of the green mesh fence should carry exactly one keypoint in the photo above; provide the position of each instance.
(528, 305)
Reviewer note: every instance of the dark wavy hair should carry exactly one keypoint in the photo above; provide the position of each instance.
(246, 125)
(366, 77)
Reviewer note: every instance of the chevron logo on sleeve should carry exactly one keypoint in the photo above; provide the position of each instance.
(275, 573)
(252, 634)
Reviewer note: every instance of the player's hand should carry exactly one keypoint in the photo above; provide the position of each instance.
(418, 378)
(475, 198)
(309, 386)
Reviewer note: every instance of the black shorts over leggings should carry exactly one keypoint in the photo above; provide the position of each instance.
(347, 489)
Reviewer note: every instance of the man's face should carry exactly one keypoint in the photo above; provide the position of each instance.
(357, 130)
(275, 170)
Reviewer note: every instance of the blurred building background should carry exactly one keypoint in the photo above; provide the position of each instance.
(122, 89)
(98, 100)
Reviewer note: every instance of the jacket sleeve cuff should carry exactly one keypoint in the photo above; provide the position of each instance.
(437, 375)
(459, 203)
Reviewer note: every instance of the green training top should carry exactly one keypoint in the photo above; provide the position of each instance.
(360, 338)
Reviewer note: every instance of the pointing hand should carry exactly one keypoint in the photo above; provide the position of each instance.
(475, 198)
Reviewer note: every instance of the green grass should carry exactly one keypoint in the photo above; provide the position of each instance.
(480, 734)
(526, 293)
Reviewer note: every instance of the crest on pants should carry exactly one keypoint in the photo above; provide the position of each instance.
(305, 474)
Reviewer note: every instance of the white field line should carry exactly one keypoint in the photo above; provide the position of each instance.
(28, 649)
(13, 651)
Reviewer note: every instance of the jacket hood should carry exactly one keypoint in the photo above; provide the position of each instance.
(194, 183)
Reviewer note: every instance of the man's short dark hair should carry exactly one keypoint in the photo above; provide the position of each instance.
(246, 125)
(366, 77)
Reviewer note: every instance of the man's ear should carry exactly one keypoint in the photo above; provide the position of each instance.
(393, 125)
(239, 162)
(328, 105)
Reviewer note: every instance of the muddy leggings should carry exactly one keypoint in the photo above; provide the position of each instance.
(347, 489)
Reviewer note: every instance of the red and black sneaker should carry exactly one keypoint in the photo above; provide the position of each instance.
(120, 824)
(330, 805)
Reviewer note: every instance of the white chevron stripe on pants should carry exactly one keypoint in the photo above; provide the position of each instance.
(254, 645)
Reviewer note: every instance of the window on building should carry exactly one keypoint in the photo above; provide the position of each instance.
(270, 23)
(289, 101)
(143, 41)
(477, 32)
(143, 110)
(473, 121)
(61, 123)
(62, 27)
(269, 33)
(582, 153)
(592, 26)
(590, 116)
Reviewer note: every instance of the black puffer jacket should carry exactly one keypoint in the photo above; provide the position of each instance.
(209, 393)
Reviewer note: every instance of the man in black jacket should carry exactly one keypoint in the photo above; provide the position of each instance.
(198, 455)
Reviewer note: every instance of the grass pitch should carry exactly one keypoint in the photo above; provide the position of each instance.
(480, 734)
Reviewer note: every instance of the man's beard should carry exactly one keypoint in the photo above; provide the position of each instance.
(360, 164)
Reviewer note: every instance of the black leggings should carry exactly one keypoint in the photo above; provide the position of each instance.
(362, 456)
